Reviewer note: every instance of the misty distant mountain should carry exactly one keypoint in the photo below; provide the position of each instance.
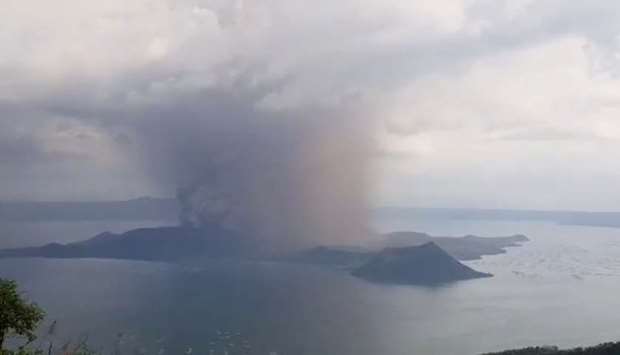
(149, 208)
(145, 208)
(426, 264)
(601, 219)
(469, 247)
(153, 244)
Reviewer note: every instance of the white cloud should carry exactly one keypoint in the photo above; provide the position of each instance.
(508, 93)
(523, 128)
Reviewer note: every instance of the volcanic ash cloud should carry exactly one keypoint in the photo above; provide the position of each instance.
(287, 177)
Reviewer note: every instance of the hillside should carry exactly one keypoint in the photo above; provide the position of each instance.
(156, 244)
(469, 247)
(602, 349)
(427, 264)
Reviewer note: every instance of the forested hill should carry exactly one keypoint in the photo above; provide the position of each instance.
(602, 349)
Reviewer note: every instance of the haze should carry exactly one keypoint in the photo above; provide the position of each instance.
(464, 103)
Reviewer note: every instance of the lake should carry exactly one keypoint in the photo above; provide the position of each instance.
(561, 288)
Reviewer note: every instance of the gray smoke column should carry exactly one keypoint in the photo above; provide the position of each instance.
(289, 178)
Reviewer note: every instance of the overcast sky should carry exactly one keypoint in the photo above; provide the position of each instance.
(474, 103)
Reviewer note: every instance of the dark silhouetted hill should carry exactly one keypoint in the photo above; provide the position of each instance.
(154, 244)
(464, 248)
(602, 349)
(426, 264)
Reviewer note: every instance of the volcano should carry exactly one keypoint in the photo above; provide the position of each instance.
(426, 264)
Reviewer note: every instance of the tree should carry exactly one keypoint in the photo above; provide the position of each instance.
(18, 317)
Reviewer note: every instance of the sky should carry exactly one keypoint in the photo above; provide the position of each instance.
(459, 103)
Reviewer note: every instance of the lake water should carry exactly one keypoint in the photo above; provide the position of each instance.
(561, 288)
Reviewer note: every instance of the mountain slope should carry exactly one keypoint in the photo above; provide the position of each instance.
(601, 349)
(421, 265)
(469, 247)
(156, 244)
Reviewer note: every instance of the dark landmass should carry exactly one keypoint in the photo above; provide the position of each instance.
(177, 243)
(597, 219)
(602, 349)
(426, 264)
(145, 208)
(153, 244)
(469, 247)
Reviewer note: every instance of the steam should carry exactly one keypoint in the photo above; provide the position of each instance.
(288, 178)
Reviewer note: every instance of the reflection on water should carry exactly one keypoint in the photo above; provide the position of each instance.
(557, 289)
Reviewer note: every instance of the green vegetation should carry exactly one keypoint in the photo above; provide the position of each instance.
(18, 318)
(602, 349)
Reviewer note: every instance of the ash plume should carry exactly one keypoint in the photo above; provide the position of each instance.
(288, 178)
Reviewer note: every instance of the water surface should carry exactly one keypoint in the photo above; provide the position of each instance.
(560, 288)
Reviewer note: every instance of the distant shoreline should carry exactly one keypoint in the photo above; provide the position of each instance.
(601, 349)
(156, 208)
(562, 217)
(140, 209)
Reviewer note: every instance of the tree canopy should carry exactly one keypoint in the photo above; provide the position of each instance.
(18, 317)
(601, 349)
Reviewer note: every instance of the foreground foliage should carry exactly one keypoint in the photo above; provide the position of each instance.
(18, 318)
(50, 351)
(601, 349)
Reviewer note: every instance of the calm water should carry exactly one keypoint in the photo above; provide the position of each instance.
(561, 288)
